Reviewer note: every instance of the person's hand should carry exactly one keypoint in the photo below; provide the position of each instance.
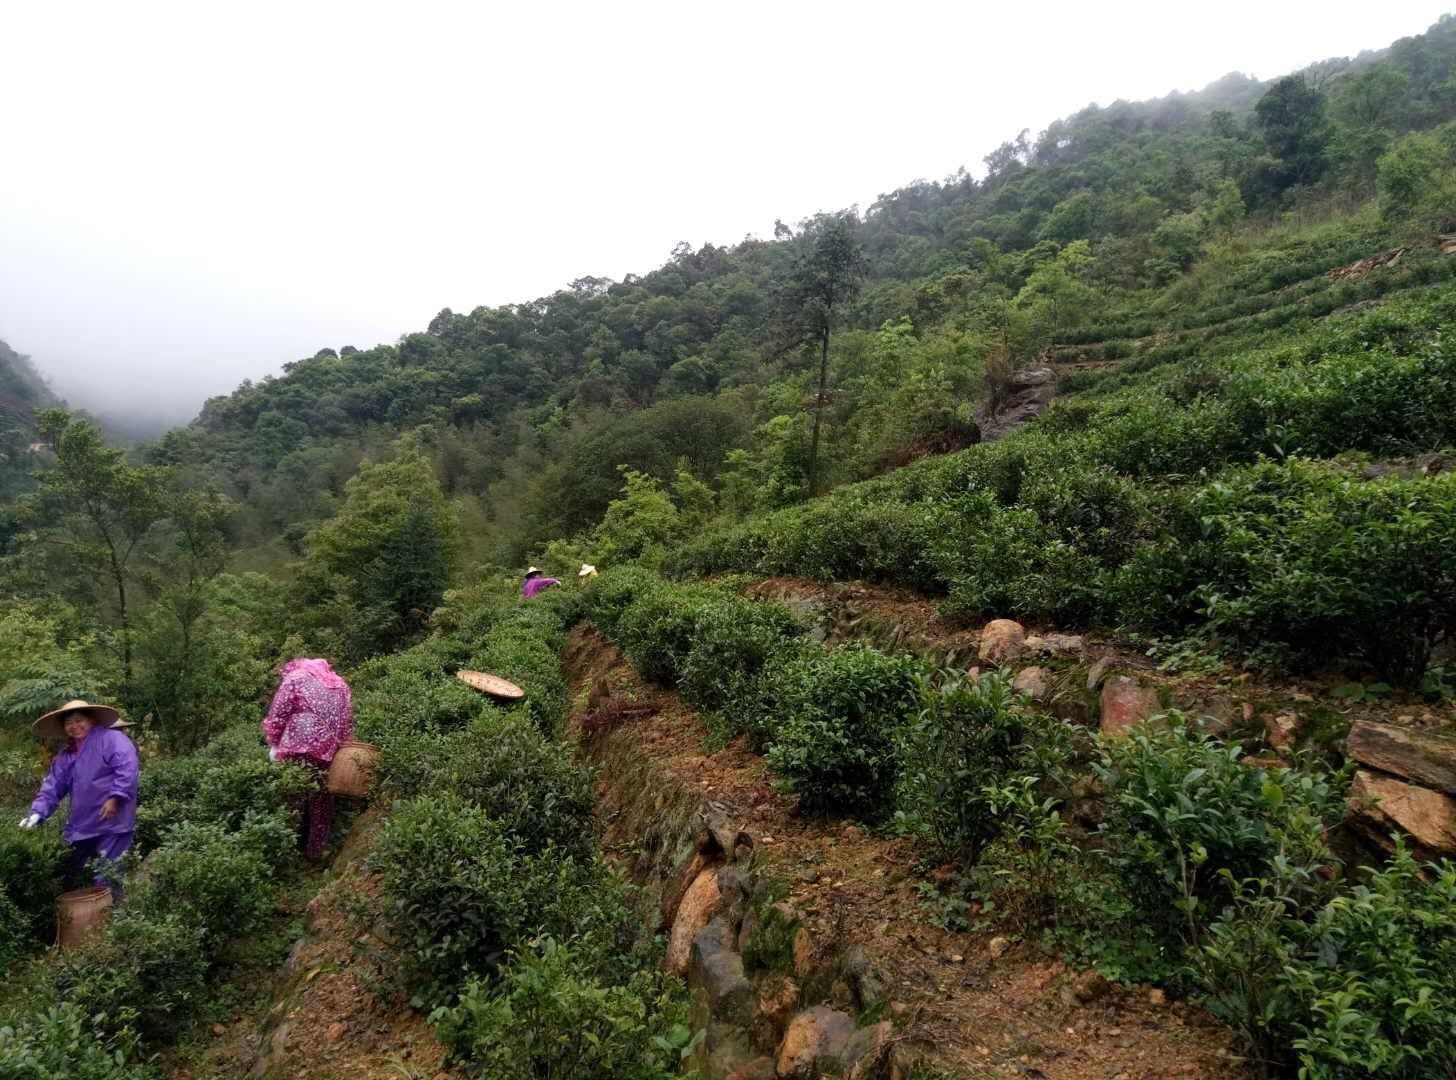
(30, 821)
(109, 808)
(272, 753)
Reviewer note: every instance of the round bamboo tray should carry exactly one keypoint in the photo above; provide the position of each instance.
(493, 685)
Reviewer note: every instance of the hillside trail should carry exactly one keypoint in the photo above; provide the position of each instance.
(324, 1020)
(978, 1005)
(983, 1006)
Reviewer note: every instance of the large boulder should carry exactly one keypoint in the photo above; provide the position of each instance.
(1427, 758)
(1002, 641)
(699, 905)
(1125, 704)
(1380, 805)
(815, 1034)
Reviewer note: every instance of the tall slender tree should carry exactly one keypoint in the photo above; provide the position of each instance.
(98, 508)
(826, 274)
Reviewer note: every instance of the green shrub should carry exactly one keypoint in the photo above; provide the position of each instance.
(523, 647)
(534, 789)
(30, 875)
(656, 630)
(220, 881)
(839, 714)
(1177, 858)
(732, 641)
(17, 936)
(1376, 988)
(548, 1017)
(614, 592)
(59, 1042)
(145, 976)
(461, 894)
(968, 738)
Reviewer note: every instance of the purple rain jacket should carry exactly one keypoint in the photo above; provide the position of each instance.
(534, 585)
(104, 767)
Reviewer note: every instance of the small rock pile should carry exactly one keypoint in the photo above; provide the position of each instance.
(1406, 783)
(755, 1021)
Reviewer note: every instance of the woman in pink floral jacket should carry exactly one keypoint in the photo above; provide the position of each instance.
(311, 716)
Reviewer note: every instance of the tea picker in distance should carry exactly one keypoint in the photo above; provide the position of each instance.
(535, 583)
(97, 768)
(311, 716)
(585, 574)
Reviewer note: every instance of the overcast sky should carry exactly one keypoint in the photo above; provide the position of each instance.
(195, 193)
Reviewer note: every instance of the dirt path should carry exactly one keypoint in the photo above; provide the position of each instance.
(1018, 1014)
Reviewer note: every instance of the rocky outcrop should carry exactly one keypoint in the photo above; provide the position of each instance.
(1421, 757)
(1125, 704)
(1029, 392)
(699, 905)
(1382, 805)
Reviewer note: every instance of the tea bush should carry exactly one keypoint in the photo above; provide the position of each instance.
(59, 1042)
(1177, 858)
(967, 738)
(143, 979)
(1375, 988)
(30, 880)
(461, 893)
(533, 789)
(549, 1017)
(839, 713)
(732, 641)
(523, 647)
(656, 630)
(17, 937)
(218, 880)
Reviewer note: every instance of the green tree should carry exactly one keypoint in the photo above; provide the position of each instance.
(98, 510)
(385, 559)
(826, 275)
(1291, 118)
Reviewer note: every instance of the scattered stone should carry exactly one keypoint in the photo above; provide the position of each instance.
(816, 1033)
(717, 969)
(1157, 998)
(1002, 640)
(998, 947)
(1033, 681)
(1125, 704)
(778, 998)
(1247, 708)
(1423, 756)
(672, 895)
(869, 988)
(1282, 731)
(336, 1032)
(699, 905)
(852, 832)
(956, 958)
(1090, 986)
(1064, 643)
(1380, 804)
(899, 1009)
(218, 1031)
(1097, 672)
(840, 995)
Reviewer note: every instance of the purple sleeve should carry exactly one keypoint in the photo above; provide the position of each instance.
(122, 758)
(57, 786)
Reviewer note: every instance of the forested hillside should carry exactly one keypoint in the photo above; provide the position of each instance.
(22, 393)
(530, 408)
(1025, 641)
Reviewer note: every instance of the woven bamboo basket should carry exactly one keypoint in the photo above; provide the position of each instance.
(81, 913)
(352, 770)
(493, 685)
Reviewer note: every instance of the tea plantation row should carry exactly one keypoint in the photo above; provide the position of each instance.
(1249, 908)
(1199, 504)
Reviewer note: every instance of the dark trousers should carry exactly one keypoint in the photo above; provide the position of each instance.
(110, 846)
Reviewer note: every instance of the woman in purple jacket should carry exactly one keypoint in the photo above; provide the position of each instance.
(536, 583)
(97, 768)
